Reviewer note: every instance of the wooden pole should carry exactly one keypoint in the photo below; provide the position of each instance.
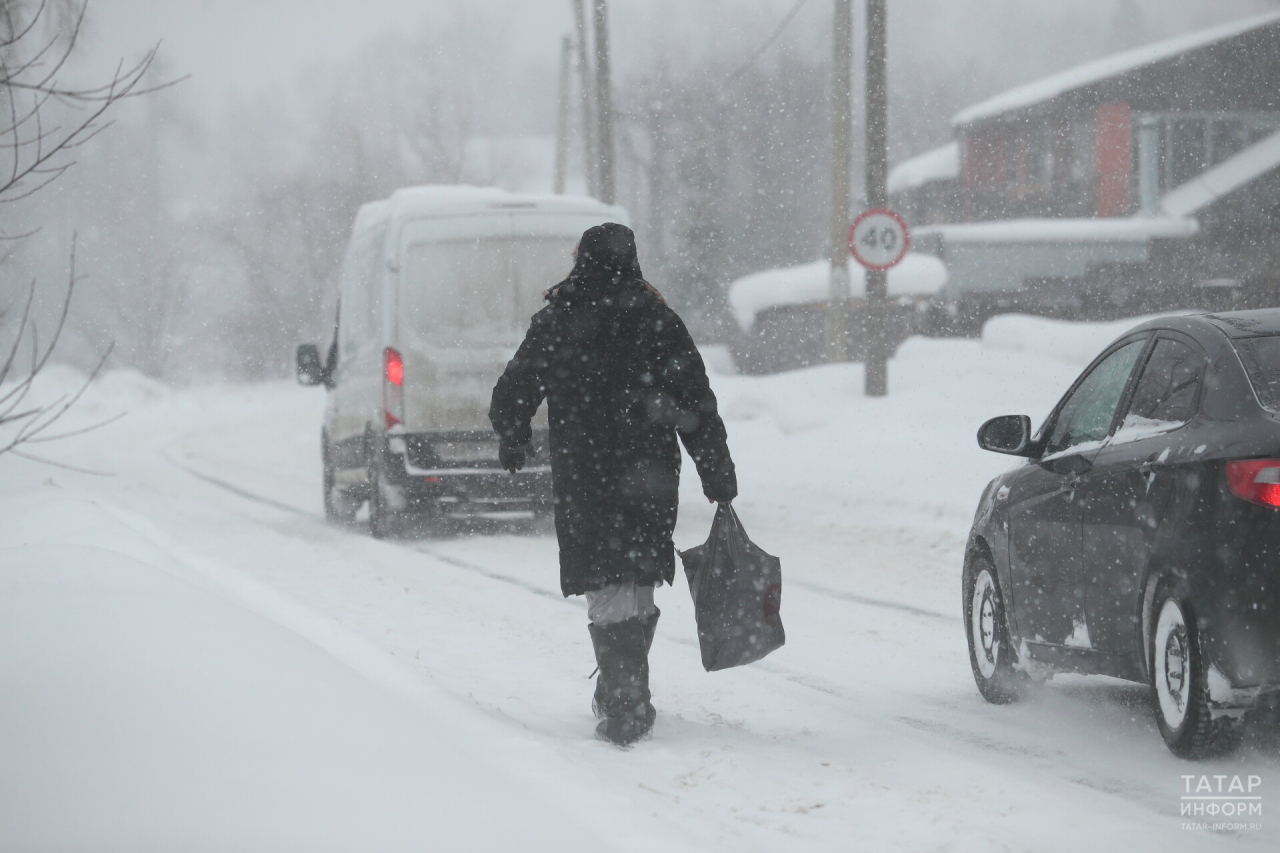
(877, 367)
(588, 99)
(604, 105)
(562, 118)
(837, 321)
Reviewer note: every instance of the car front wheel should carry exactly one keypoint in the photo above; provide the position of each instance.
(1179, 680)
(990, 649)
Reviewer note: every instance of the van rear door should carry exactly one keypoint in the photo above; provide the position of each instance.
(468, 285)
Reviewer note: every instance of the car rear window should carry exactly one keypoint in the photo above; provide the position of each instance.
(1261, 357)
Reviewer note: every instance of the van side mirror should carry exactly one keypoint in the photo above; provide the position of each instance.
(310, 370)
(1009, 434)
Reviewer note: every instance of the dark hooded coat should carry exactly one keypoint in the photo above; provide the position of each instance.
(622, 378)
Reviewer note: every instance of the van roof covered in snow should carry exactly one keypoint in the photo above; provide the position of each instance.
(439, 199)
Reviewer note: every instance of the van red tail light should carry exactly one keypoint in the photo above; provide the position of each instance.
(393, 387)
(395, 366)
(1255, 480)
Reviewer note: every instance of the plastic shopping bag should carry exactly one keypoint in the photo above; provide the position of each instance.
(737, 591)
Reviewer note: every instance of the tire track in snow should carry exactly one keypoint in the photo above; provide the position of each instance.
(814, 588)
(872, 602)
(444, 558)
(236, 490)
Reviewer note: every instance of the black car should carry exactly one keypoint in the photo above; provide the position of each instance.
(1141, 538)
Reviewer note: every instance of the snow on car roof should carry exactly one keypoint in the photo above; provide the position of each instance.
(1229, 175)
(1120, 229)
(940, 164)
(457, 198)
(1261, 322)
(1054, 85)
(917, 275)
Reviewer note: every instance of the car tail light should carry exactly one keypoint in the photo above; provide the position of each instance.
(393, 387)
(1255, 480)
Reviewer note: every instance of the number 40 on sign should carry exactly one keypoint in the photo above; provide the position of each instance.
(878, 239)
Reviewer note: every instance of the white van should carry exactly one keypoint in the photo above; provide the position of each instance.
(437, 287)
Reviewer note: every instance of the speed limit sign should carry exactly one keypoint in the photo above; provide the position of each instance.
(878, 239)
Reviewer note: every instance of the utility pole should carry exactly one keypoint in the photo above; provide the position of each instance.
(604, 105)
(837, 326)
(587, 94)
(562, 117)
(876, 363)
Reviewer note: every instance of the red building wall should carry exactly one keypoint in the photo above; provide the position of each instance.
(985, 155)
(1112, 158)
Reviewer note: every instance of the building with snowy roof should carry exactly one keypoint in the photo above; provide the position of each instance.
(1145, 180)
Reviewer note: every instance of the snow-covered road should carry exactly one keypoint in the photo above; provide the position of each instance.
(863, 733)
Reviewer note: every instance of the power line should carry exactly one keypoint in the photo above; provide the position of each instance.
(795, 10)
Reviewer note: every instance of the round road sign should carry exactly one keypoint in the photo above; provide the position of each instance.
(878, 239)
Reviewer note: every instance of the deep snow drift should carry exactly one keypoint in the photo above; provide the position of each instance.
(191, 658)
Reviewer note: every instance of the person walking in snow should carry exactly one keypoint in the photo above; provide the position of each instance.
(622, 379)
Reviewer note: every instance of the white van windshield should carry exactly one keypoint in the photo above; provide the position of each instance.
(479, 291)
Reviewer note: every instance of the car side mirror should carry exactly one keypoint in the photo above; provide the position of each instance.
(310, 370)
(1009, 434)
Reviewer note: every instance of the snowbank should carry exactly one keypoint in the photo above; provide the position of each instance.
(1133, 229)
(1061, 340)
(809, 445)
(940, 164)
(917, 275)
(145, 708)
(1072, 342)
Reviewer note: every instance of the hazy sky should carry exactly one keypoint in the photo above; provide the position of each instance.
(253, 44)
(250, 44)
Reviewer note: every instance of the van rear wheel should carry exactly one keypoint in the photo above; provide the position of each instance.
(338, 506)
(384, 521)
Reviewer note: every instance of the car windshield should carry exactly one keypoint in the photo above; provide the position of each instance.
(1261, 357)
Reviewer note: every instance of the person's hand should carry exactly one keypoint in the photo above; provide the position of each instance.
(720, 495)
(511, 457)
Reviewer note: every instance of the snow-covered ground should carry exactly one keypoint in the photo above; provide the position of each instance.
(191, 659)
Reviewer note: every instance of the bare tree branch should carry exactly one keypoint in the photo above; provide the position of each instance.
(37, 41)
(37, 155)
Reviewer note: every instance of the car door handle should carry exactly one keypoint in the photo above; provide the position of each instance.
(1074, 483)
(1155, 462)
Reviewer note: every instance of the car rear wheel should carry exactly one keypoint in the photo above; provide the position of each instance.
(1179, 680)
(990, 649)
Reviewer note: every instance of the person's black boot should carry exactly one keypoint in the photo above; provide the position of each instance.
(623, 657)
(650, 624)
